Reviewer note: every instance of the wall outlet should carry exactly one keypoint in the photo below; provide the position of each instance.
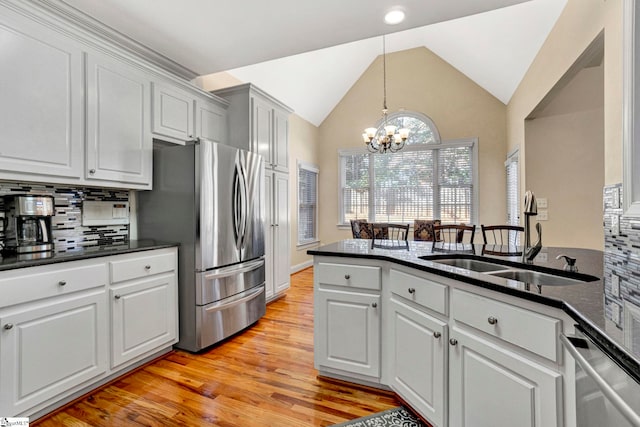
(615, 313)
(615, 285)
(543, 215)
(615, 225)
(542, 202)
(542, 257)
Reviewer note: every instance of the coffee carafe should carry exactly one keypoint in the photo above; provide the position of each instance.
(28, 223)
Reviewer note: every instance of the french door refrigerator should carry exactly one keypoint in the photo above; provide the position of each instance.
(210, 198)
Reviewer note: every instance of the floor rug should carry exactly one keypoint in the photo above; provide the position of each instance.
(396, 417)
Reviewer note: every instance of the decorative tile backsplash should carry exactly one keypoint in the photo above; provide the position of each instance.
(66, 226)
(621, 267)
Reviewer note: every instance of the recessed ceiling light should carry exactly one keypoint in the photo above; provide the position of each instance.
(394, 17)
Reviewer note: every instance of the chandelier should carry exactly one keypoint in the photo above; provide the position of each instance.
(386, 137)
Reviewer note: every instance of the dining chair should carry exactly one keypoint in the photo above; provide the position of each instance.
(455, 233)
(505, 235)
(423, 230)
(391, 231)
(361, 229)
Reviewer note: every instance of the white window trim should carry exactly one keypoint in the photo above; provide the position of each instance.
(311, 168)
(514, 156)
(452, 143)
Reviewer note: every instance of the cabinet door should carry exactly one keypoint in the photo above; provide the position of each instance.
(172, 113)
(261, 128)
(143, 316)
(282, 258)
(347, 330)
(211, 121)
(419, 376)
(281, 141)
(493, 387)
(269, 231)
(119, 143)
(41, 101)
(49, 348)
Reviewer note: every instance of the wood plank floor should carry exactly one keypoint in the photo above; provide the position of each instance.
(262, 377)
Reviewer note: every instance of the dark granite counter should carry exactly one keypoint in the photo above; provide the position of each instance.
(584, 302)
(13, 261)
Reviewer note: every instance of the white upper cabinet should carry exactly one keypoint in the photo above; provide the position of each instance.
(119, 143)
(211, 121)
(41, 101)
(172, 113)
(280, 145)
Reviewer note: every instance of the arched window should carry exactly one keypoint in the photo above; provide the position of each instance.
(421, 127)
(427, 179)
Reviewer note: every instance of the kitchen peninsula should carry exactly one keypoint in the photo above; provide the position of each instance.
(422, 322)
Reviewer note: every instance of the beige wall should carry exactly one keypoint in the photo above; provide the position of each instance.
(303, 146)
(578, 25)
(418, 80)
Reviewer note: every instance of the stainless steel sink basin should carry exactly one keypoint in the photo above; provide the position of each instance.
(471, 264)
(537, 278)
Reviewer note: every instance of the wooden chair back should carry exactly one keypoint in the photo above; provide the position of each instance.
(455, 233)
(423, 230)
(361, 229)
(391, 231)
(504, 235)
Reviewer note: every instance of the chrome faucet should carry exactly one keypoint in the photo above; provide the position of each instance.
(570, 263)
(530, 209)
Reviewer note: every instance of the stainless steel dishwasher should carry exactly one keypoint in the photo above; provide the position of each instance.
(606, 395)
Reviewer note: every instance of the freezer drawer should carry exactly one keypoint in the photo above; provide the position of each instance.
(224, 318)
(220, 283)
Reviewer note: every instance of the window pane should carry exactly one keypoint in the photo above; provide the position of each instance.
(419, 132)
(307, 201)
(455, 176)
(403, 186)
(355, 186)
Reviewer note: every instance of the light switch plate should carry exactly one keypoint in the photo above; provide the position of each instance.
(615, 312)
(615, 285)
(615, 204)
(543, 215)
(542, 202)
(615, 225)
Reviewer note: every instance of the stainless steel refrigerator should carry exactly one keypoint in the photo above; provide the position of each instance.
(210, 198)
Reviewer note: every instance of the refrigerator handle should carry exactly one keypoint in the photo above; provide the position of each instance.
(237, 206)
(245, 207)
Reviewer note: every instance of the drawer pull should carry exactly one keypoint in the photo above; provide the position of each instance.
(8, 326)
(147, 267)
(492, 320)
(437, 334)
(62, 282)
(453, 341)
(374, 304)
(412, 290)
(117, 296)
(347, 276)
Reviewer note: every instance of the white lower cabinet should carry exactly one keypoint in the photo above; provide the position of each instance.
(490, 386)
(50, 347)
(349, 323)
(60, 323)
(143, 317)
(277, 259)
(418, 360)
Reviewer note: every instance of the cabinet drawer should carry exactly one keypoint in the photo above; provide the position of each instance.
(34, 283)
(425, 292)
(532, 331)
(141, 266)
(353, 276)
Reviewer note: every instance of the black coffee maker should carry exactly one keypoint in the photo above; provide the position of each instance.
(27, 223)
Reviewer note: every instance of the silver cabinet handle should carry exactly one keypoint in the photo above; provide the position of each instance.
(347, 276)
(92, 171)
(62, 282)
(374, 304)
(453, 341)
(147, 267)
(117, 296)
(8, 326)
(437, 334)
(492, 320)
(412, 290)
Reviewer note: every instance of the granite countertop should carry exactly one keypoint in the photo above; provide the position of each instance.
(13, 261)
(584, 302)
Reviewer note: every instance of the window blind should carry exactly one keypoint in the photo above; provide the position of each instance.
(513, 190)
(307, 204)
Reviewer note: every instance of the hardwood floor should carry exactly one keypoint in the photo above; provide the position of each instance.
(262, 377)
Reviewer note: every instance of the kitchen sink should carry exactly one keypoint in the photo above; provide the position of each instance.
(538, 278)
(470, 264)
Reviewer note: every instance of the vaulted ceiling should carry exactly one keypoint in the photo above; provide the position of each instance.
(308, 54)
